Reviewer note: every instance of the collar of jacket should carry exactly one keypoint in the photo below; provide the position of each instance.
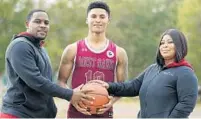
(182, 62)
(36, 41)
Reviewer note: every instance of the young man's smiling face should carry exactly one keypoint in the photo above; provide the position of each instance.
(97, 20)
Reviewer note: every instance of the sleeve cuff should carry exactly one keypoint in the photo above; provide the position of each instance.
(69, 94)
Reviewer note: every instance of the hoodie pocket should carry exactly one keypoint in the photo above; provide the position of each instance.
(19, 99)
(36, 101)
(164, 114)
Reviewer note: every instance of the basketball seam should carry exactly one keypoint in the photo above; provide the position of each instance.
(98, 94)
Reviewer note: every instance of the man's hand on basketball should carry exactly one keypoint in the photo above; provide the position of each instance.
(104, 84)
(106, 107)
(78, 96)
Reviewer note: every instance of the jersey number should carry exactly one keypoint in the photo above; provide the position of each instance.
(94, 76)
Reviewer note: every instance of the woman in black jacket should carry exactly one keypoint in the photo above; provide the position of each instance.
(168, 88)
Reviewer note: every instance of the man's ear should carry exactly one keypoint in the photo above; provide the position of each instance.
(26, 24)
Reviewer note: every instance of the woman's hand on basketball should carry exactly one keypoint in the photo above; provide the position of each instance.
(104, 84)
(78, 96)
(107, 106)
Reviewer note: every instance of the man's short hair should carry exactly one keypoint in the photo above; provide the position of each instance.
(32, 12)
(99, 4)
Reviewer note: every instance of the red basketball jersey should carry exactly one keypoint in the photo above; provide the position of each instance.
(93, 65)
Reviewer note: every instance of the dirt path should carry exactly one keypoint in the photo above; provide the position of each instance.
(125, 108)
(122, 109)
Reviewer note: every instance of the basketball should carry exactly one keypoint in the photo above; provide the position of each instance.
(100, 94)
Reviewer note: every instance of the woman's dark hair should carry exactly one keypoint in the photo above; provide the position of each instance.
(180, 43)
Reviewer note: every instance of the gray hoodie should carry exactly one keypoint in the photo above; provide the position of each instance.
(30, 88)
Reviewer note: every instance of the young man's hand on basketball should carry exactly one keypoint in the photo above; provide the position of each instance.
(78, 96)
(81, 109)
(104, 84)
(107, 106)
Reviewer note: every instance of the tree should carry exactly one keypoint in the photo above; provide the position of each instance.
(11, 14)
(137, 27)
(67, 26)
(189, 18)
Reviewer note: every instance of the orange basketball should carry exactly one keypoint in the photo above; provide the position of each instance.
(99, 93)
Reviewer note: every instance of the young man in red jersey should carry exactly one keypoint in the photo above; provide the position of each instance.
(93, 58)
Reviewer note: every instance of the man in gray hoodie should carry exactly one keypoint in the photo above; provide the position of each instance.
(30, 88)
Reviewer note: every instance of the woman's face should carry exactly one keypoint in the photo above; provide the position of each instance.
(167, 48)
